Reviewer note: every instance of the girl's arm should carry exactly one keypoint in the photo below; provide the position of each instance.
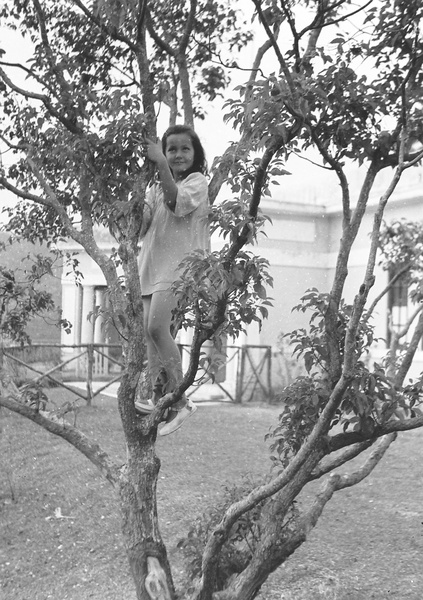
(170, 190)
(147, 215)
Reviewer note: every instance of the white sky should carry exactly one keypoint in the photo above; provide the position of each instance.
(307, 183)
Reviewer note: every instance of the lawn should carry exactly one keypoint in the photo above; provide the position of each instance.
(60, 534)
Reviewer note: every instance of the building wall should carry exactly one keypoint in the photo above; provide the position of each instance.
(296, 246)
(301, 245)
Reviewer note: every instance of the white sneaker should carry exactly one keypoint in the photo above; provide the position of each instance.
(178, 419)
(144, 409)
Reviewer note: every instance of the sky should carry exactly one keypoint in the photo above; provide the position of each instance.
(214, 133)
(306, 183)
(16, 51)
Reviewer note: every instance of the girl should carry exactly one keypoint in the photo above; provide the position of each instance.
(176, 218)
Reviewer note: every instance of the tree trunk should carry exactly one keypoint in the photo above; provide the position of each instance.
(186, 90)
(144, 546)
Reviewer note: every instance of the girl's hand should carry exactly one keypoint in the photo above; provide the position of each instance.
(153, 151)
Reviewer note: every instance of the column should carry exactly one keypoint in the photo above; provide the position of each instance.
(101, 362)
(87, 325)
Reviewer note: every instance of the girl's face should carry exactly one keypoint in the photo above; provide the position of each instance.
(179, 153)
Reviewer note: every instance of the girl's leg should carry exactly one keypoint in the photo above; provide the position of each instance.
(158, 317)
(153, 358)
(162, 350)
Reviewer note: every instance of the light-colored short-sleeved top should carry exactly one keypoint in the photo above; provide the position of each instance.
(171, 235)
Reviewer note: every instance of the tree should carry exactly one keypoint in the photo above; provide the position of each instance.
(73, 132)
(186, 39)
(22, 296)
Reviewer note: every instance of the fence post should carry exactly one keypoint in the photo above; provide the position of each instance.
(240, 376)
(269, 374)
(90, 364)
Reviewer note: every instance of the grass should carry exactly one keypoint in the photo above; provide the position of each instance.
(367, 545)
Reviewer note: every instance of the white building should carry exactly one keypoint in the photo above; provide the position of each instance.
(301, 246)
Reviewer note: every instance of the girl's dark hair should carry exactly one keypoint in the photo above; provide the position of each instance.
(200, 163)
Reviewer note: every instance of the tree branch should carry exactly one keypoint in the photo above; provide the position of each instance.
(403, 332)
(277, 143)
(316, 443)
(53, 201)
(142, 13)
(384, 292)
(112, 32)
(410, 352)
(296, 38)
(412, 161)
(336, 482)
(49, 422)
(23, 194)
(335, 462)
(342, 440)
(28, 72)
(64, 85)
(337, 167)
(361, 298)
(334, 21)
(22, 91)
(69, 124)
(162, 44)
(274, 543)
(276, 48)
(188, 26)
(239, 150)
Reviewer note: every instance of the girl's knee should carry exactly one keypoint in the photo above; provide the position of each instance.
(156, 330)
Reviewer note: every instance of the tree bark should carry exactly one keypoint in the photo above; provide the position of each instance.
(144, 546)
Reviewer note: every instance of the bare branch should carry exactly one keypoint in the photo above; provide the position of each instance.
(336, 482)
(110, 470)
(22, 91)
(27, 71)
(341, 19)
(410, 352)
(316, 164)
(233, 64)
(315, 29)
(384, 292)
(335, 462)
(412, 161)
(403, 332)
(342, 440)
(375, 457)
